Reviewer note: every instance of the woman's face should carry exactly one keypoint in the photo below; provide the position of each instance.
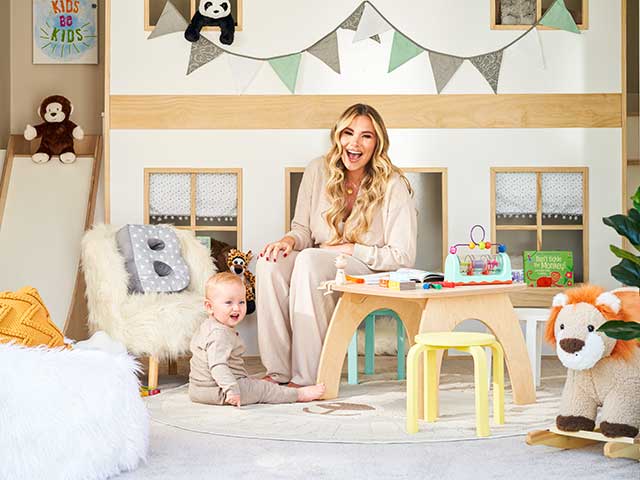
(358, 142)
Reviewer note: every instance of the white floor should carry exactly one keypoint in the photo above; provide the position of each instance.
(177, 454)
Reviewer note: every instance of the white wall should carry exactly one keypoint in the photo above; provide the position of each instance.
(2, 155)
(575, 64)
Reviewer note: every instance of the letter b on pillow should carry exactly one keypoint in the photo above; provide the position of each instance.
(153, 259)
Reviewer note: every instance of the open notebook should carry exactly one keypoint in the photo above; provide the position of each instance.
(413, 274)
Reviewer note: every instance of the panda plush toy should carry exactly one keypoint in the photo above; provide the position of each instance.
(212, 13)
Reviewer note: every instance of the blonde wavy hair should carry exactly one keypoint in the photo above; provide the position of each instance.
(378, 172)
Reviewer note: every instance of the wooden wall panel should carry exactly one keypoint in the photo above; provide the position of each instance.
(597, 110)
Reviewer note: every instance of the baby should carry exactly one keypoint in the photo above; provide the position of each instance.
(217, 373)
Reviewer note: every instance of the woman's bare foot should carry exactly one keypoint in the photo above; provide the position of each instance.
(310, 393)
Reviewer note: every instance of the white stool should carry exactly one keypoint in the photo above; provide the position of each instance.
(535, 318)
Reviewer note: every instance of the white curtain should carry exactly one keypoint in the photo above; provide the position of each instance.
(561, 195)
(216, 195)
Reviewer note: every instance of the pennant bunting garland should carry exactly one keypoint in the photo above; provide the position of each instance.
(353, 21)
(371, 23)
(244, 70)
(529, 49)
(326, 50)
(170, 21)
(367, 22)
(287, 69)
(559, 17)
(444, 67)
(202, 52)
(489, 67)
(402, 51)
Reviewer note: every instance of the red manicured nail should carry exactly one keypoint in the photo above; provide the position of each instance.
(267, 259)
(262, 254)
(286, 254)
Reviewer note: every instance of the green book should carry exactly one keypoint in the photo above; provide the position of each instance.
(547, 268)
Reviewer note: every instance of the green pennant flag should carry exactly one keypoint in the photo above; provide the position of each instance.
(402, 51)
(287, 69)
(559, 17)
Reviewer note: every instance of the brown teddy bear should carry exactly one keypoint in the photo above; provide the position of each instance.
(57, 131)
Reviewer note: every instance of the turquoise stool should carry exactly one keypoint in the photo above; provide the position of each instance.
(370, 350)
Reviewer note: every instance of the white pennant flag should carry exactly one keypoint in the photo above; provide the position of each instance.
(530, 48)
(371, 23)
(244, 71)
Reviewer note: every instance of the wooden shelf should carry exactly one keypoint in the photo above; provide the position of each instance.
(495, 15)
(535, 297)
(211, 229)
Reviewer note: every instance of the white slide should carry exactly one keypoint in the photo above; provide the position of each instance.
(44, 211)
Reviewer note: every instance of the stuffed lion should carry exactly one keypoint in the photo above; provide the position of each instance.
(602, 371)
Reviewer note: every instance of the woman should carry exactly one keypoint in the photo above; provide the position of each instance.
(353, 201)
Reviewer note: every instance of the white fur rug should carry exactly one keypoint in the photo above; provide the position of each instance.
(371, 412)
(69, 414)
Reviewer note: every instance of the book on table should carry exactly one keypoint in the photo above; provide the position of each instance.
(410, 274)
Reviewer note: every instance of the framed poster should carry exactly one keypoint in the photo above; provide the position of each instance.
(65, 31)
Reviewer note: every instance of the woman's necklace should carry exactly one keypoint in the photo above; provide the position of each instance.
(351, 187)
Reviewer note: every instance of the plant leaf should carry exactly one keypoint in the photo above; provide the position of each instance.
(621, 330)
(626, 227)
(636, 199)
(634, 215)
(620, 253)
(627, 273)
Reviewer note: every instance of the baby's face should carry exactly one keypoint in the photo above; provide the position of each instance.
(227, 303)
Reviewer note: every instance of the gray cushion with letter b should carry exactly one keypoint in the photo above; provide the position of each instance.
(153, 259)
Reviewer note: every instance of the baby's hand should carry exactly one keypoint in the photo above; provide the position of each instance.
(233, 399)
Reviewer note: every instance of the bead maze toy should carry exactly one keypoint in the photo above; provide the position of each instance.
(480, 269)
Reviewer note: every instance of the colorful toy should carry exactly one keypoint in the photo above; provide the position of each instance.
(477, 269)
(148, 392)
(238, 263)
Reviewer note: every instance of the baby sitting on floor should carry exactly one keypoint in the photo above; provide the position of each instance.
(217, 373)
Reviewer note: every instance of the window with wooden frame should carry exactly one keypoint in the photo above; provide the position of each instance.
(207, 201)
(521, 14)
(153, 9)
(430, 192)
(542, 209)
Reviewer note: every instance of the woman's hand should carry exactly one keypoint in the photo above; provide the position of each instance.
(341, 247)
(272, 250)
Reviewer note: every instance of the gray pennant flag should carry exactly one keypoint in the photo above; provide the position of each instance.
(444, 67)
(170, 21)
(327, 51)
(489, 67)
(353, 21)
(202, 52)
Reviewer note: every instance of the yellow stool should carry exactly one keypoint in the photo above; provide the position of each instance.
(474, 343)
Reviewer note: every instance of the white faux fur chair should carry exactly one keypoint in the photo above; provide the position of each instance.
(156, 325)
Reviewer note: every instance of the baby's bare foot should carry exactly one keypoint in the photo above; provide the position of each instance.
(310, 393)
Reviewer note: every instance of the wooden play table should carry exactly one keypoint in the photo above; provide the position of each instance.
(429, 311)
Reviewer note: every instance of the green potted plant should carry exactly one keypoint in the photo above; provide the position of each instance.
(628, 270)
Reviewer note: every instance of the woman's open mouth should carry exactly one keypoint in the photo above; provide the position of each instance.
(353, 155)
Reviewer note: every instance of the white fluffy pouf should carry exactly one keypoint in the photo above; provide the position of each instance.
(69, 414)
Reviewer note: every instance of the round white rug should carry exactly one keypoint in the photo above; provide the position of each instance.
(371, 412)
